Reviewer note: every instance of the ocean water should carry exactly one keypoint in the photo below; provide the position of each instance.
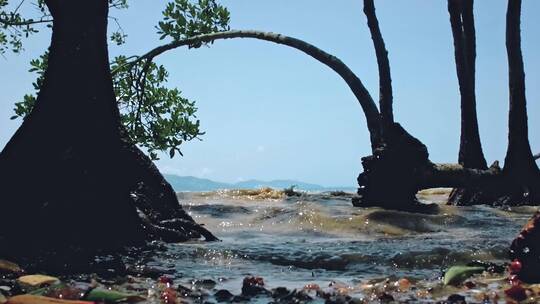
(320, 238)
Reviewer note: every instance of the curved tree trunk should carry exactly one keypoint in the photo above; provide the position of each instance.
(355, 84)
(69, 176)
(406, 162)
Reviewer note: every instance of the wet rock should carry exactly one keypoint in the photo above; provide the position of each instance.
(301, 295)
(280, 292)
(252, 286)
(239, 299)
(385, 298)
(147, 271)
(183, 291)
(525, 249)
(206, 284)
(455, 299)
(294, 296)
(223, 295)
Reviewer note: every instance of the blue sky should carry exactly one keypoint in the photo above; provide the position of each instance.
(270, 112)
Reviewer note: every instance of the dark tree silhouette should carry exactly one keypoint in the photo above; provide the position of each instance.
(463, 32)
(70, 177)
(520, 167)
(386, 98)
(519, 164)
(396, 161)
(470, 148)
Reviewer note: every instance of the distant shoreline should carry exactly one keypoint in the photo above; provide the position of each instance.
(195, 184)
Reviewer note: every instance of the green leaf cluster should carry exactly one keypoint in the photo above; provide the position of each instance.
(38, 66)
(183, 19)
(156, 117)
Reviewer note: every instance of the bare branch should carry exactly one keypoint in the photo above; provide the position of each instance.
(385, 79)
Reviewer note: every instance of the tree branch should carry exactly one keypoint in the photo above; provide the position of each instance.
(7, 22)
(385, 79)
(457, 176)
(360, 92)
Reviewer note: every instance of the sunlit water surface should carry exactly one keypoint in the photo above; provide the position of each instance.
(320, 238)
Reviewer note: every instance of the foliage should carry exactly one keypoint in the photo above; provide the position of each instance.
(183, 19)
(13, 26)
(157, 118)
(38, 66)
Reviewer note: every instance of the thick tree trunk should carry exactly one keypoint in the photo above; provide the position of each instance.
(519, 161)
(391, 175)
(462, 22)
(519, 165)
(470, 148)
(69, 176)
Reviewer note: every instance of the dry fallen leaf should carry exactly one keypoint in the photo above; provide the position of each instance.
(36, 280)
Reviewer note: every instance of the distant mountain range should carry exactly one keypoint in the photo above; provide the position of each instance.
(191, 183)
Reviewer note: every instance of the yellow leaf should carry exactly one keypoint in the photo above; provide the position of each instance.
(36, 280)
